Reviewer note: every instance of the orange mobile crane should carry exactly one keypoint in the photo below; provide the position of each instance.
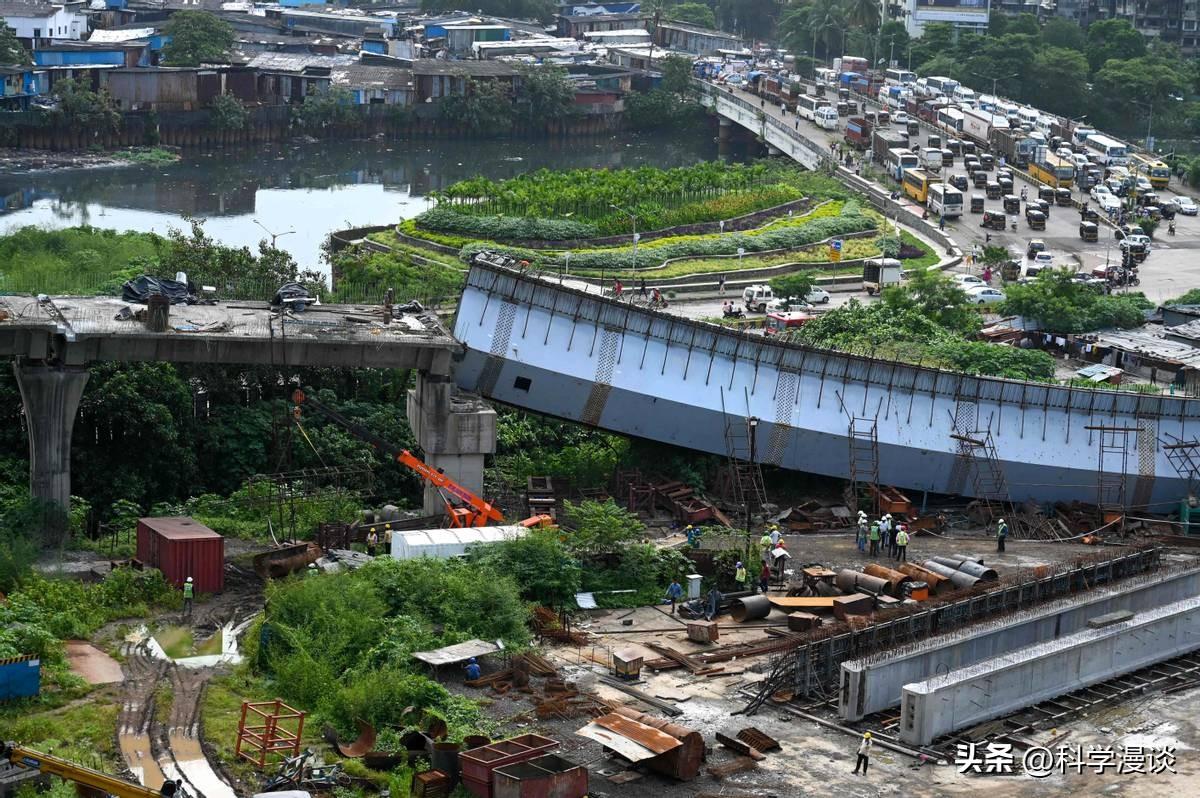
(85, 776)
(470, 509)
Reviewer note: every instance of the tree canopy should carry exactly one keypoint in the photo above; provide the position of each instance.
(11, 51)
(197, 37)
(1063, 305)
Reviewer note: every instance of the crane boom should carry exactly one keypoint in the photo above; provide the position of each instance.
(481, 512)
(56, 766)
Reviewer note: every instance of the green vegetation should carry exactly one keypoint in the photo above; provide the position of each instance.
(332, 108)
(153, 156)
(1190, 298)
(77, 260)
(84, 110)
(543, 95)
(927, 320)
(197, 37)
(81, 731)
(11, 50)
(1062, 305)
(585, 198)
(228, 113)
(414, 273)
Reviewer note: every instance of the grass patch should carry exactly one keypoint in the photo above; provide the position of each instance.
(82, 730)
(164, 699)
(930, 258)
(147, 155)
(77, 260)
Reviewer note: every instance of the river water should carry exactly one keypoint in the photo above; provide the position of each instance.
(305, 191)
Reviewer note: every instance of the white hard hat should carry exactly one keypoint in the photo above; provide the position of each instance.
(1002, 520)
(189, 579)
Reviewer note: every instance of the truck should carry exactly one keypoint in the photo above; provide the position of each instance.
(978, 125)
(858, 133)
(884, 140)
(1016, 146)
(879, 273)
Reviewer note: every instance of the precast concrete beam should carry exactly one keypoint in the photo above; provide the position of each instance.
(50, 396)
(996, 687)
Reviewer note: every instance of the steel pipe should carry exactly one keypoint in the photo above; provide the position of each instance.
(938, 584)
(850, 581)
(750, 608)
(958, 578)
(970, 567)
(895, 579)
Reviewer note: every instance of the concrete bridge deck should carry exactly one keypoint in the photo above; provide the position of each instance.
(73, 331)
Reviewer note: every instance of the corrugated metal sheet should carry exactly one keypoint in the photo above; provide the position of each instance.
(181, 547)
(444, 543)
(632, 740)
(458, 652)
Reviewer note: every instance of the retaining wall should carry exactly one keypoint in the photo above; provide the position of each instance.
(870, 686)
(1028, 676)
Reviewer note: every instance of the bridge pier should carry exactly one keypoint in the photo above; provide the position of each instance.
(50, 395)
(456, 431)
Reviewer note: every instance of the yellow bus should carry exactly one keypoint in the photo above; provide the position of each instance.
(916, 184)
(1054, 171)
(1157, 172)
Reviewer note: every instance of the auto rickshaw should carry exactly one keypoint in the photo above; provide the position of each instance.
(852, 107)
(992, 189)
(955, 146)
(914, 127)
(1147, 198)
(1012, 204)
(979, 178)
(1035, 246)
(960, 182)
(1089, 214)
(968, 147)
(1004, 173)
(976, 203)
(1153, 211)
(947, 158)
(1010, 271)
(1036, 220)
(843, 110)
(935, 141)
(1168, 212)
(1046, 193)
(987, 160)
(1062, 197)
(1088, 231)
(1006, 184)
(994, 220)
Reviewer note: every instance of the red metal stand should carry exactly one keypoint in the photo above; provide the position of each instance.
(265, 736)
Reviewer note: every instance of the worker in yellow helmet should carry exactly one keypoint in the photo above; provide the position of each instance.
(864, 754)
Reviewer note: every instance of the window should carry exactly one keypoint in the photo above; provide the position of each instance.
(522, 384)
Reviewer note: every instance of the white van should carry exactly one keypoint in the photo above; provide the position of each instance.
(826, 118)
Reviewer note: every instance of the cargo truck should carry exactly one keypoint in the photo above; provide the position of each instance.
(858, 133)
(1016, 146)
(978, 125)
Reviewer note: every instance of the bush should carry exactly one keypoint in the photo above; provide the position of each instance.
(503, 228)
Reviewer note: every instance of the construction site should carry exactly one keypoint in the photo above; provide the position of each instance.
(1033, 630)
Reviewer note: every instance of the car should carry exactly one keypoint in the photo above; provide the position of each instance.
(1043, 260)
(985, 295)
(1035, 246)
(1136, 238)
(1187, 206)
(900, 118)
(817, 296)
(1100, 190)
(967, 281)
(1064, 152)
(1109, 203)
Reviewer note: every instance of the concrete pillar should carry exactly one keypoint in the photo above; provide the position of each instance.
(50, 395)
(456, 431)
(773, 151)
(724, 129)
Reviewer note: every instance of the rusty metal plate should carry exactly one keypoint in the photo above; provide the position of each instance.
(632, 740)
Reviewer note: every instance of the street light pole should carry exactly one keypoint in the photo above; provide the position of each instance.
(633, 219)
(752, 428)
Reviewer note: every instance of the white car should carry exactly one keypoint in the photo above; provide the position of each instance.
(968, 281)
(1109, 203)
(1100, 189)
(1186, 205)
(900, 118)
(1143, 185)
(817, 296)
(985, 295)
(1041, 261)
(1136, 238)
(1065, 153)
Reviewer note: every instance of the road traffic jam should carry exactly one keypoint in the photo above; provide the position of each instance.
(1031, 179)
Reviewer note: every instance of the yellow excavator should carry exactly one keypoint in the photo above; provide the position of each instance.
(93, 780)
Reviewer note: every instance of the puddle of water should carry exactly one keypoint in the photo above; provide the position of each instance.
(136, 750)
(179, 641)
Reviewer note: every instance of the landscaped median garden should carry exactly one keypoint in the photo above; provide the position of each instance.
(704, 219)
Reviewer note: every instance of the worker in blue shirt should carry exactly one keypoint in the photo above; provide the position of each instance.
(473, 671)
(674, 593)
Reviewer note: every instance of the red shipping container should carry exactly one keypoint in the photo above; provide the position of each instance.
(181, 547)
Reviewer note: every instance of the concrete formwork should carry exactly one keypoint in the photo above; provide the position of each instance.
(875, 684)
(1029, 675)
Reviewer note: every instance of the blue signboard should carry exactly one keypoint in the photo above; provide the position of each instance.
(20, 677)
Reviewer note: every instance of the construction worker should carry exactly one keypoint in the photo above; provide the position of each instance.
(387, 539)
(874, 537)
(372, 541)
(885, 528)
(473, 670)
(864, 754)
(861, 538)
(714, 604)
(693, 536)
(1001, 534)
(674, 593)
(739, 574)
(775, 535)
(764, 579)
(313, 570)
(765, 544)
(902, 543)
(188, 594)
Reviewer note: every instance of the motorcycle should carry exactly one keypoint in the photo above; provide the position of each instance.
(734, 313)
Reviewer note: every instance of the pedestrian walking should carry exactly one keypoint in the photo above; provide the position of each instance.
(764, 579)
(874, 535)
(617, 288)
(1001, 534)
(902, 544)
(642, 288)
(188, 594)
(739, 574)
(864, 754)
(941, 221)
(372, 542)
(885, 532)
(674, 593)
(721, 284)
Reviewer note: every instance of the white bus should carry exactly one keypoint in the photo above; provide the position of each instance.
(806, 106)
(1111, 151)
(898, 160)
(945, 200)
(826, 118)
(962, 94)
(900, 77)
(826, 76)
(950, 119)
(942, 85)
